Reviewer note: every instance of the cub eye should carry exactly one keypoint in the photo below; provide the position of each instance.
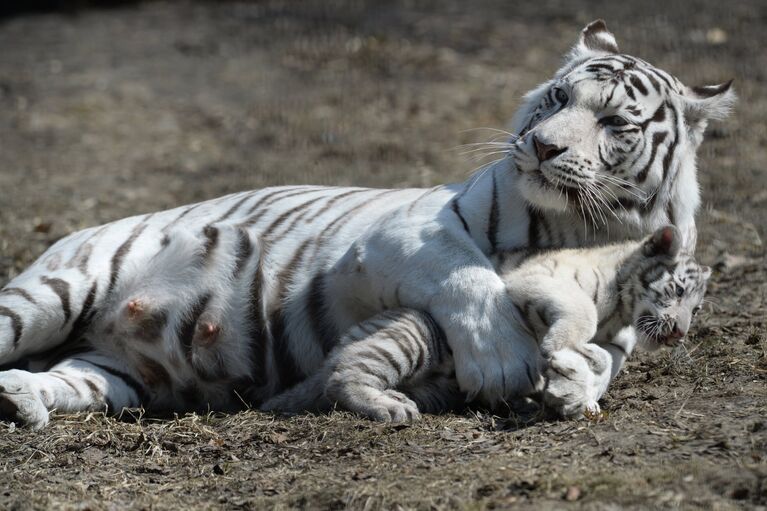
(614, 120)
(696, 310)
(679, 291)
(560, 95)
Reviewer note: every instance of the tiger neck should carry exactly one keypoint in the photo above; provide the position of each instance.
(496, 215)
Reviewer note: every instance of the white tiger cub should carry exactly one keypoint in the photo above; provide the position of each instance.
(606, 152)
(572, 302)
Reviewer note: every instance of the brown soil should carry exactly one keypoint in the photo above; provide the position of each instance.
(107, 113)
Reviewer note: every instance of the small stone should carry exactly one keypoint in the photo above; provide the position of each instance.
(573, 494)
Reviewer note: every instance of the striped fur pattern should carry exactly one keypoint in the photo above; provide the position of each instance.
(236, 299)
(572, 302)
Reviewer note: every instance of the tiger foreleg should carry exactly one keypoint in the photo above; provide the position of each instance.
(88, 382)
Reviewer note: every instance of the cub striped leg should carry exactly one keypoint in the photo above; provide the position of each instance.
(397, 348)
(88, 382)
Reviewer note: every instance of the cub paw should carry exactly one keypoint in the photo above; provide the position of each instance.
(20, 402)
(568, 384)
(392, 406)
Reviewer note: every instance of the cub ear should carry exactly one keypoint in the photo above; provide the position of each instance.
(704, 103)
(665, 241)
(706, 271)
(595, 38)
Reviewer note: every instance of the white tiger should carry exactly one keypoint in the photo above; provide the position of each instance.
(572, 303)
(607, 151)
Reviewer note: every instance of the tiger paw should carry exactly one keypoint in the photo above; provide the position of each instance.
(392, 406)
(20, 402)
(568, 384)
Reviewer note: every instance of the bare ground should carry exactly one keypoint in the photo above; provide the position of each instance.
(106, 113)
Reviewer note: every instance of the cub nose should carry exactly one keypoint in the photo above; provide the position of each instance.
(677, 332)
(547, 151)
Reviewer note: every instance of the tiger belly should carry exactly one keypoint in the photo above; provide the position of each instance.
(216, 304)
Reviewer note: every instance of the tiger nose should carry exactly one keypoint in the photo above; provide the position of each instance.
(547, 151)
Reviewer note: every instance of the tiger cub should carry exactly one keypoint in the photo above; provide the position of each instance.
(571, 302)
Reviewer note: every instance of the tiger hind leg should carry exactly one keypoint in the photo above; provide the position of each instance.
(87, 382)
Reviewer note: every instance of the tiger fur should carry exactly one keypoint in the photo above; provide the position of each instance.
(572, 302)
(276, 279)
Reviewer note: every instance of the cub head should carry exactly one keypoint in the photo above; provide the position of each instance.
(612, 138)
(666, 287)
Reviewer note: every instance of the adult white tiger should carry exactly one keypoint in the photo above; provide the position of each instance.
(607, 152)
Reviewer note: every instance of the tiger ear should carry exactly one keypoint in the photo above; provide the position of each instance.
(704, 103)
(595, 38)
(665, 241)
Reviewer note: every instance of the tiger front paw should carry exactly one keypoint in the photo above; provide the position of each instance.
(20, 401)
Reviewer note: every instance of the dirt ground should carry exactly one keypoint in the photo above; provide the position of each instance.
(111, 112)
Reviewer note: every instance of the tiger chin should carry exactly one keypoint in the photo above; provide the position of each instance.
(237, 299)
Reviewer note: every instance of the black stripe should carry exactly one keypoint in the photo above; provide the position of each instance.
(619, 348)
(332, 201)
(388, 356)
(492, 221)
(179, 217)
(71, 385)
(636, 82)
(185, 329)
(657, 140)
(532, 229)
(457, 210)
(131, 382)
(18, 292)
(234, 208)
(96, 393)
(62, 352)
(267, 232)
(269, 200)
(211, 241)
(61, 288)
(363, 368)
(287, 368)
(274, 196)
(658, 116)
(596, 286)
(16, 324)
(84, 318)
(244, 251)
(653, 82)
(120, 254)
(257, 330)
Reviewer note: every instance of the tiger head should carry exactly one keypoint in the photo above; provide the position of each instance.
(666, 287)
(612, 138)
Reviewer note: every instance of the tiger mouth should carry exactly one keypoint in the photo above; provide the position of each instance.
(571, 191)
(662, 337)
